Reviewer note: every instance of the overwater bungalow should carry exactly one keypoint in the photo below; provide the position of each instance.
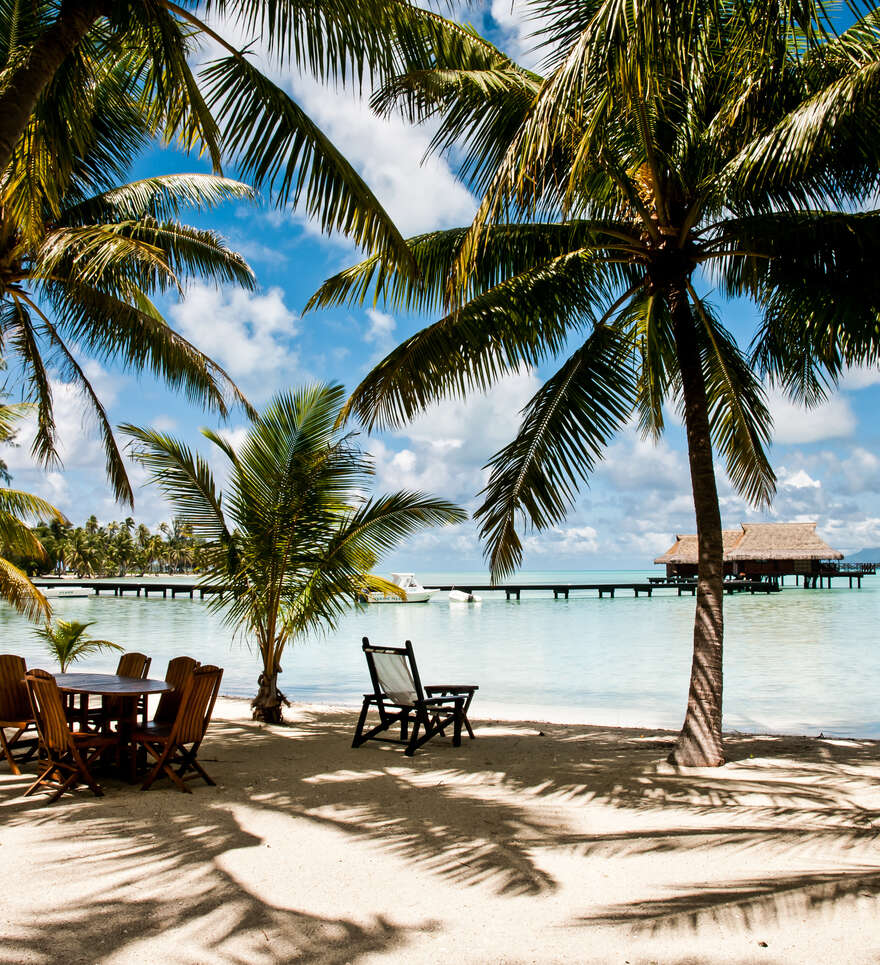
(758, 550)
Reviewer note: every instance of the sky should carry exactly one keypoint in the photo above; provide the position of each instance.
(827, 460)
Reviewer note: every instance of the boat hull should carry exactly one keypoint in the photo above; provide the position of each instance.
(459, 596)
(420, 596)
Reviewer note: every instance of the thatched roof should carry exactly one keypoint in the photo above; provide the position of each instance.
(684, 549)
(759, 541)
(782, 541)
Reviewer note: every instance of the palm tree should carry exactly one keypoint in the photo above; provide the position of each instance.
(293, 538)
(66, 641)
(669, 147)
(82, 254)
(230, 109)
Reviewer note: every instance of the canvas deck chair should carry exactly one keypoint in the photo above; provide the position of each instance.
(399, 697)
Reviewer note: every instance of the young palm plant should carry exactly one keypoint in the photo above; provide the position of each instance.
(293, 540)
(66, 641)
(668, 147)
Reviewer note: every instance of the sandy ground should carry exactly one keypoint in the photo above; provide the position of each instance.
(533, 843)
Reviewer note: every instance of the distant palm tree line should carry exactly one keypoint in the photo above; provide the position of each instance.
(123, 548)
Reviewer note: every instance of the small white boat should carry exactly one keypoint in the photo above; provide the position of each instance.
(65, 592)
(414, 592)
(459, 596)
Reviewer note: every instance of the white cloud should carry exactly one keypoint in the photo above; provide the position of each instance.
(634, 463)
(420, 194)
(518, 24)
(248, 333)
(795, 425)
(443, 450)
(861, 377)
(797, 480)
(381, 328)
(564, 541)
(164, 423)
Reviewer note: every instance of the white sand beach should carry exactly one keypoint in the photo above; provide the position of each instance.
(536, 843)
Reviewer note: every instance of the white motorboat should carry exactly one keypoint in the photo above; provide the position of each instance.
(414, 592)
(460, 596)
(65, 592)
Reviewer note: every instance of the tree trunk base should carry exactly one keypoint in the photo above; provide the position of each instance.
(691, 750)
(267, 705)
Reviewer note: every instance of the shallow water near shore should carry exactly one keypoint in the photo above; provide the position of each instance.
(797, 662)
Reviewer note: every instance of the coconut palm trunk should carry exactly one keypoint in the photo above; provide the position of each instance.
(269, 700)
(700, 740)
(23, 86)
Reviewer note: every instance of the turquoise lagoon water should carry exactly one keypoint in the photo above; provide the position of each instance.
(799, 661)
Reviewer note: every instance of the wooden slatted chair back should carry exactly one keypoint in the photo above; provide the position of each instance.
(135, 665)
(196, 705)
(14, 703)
(48, 711)
(177, 675)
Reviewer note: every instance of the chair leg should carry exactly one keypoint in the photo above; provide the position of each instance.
(85, 773)
(359, 730)
(51, 766)
(188, 761)
(421, 719)
(163, 764)
(205, 776)
(71, 782)
(7, 750)
(456, 725)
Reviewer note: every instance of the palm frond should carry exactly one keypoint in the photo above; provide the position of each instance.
(522, 320)
(161, 198)
(18, 591)
(278, 147)
(111, 329)
(564, 429)
(738, 415)
(184, 478)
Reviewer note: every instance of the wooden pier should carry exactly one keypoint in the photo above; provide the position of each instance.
(563, 590)
(120, 588)
(511, 591)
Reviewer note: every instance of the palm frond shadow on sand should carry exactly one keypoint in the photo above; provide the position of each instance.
(485, 815)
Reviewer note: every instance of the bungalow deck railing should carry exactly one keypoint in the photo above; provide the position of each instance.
(832, 567)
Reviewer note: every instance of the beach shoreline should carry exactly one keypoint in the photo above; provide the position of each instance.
(571, 717)
(564, 843)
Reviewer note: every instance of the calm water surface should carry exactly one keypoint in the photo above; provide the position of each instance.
(799, 661)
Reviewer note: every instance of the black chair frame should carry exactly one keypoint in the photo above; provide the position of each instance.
(432, 710)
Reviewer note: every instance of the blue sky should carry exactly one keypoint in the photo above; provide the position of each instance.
(827, 460)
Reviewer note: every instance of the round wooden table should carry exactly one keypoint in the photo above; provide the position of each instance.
(104, 685)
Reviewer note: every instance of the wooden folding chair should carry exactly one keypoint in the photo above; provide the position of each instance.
(134, 664)
(15, 712)
(399, 698)
(66, 752)
(179, 669)
(166, 744)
